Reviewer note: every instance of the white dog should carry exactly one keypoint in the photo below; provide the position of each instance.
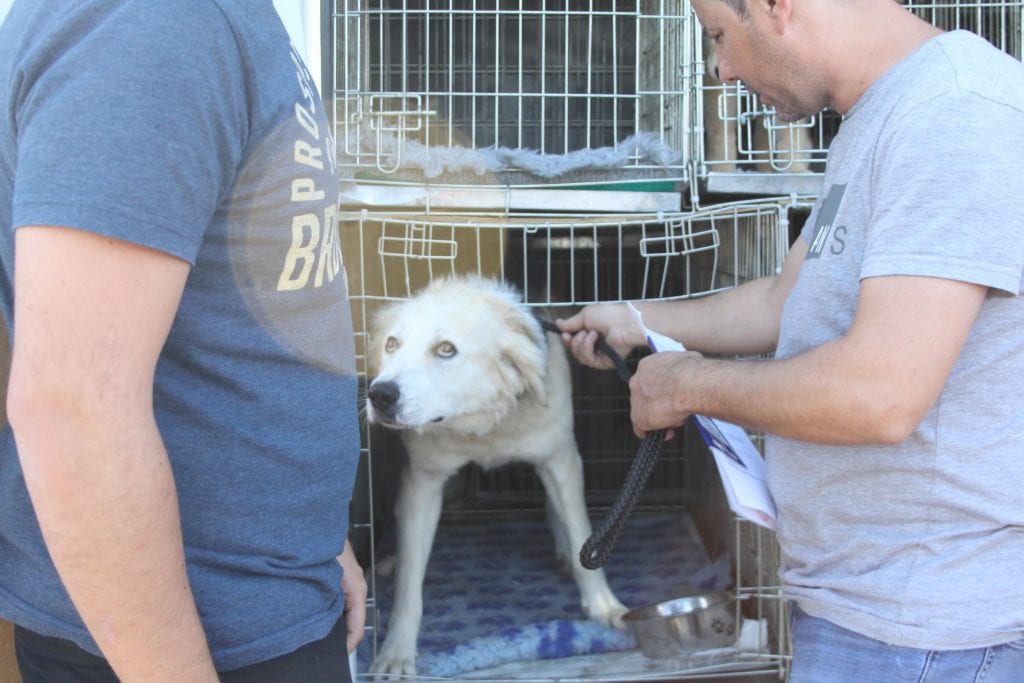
(466, 373)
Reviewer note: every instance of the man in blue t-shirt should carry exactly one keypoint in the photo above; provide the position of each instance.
(183, 439)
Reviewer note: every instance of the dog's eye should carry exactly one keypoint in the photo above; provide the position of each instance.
(391, 344)
(446, 349)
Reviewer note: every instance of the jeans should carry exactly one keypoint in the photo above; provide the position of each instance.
(43, 659)
(826, 653)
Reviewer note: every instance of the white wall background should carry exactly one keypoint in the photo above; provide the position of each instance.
(302, 19)
(4, 6)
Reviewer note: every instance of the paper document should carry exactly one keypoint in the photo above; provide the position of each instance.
(739, 463)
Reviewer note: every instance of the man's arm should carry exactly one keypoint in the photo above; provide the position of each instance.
(91, 316)
(873, 385)
(739, 321)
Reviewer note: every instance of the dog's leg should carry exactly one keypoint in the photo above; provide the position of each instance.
(563, 545)
(417, 511)
(562, 476)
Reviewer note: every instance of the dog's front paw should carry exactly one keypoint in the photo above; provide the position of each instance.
(607, 612)
(392, 664)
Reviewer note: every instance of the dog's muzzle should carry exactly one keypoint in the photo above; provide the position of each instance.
(384, 398)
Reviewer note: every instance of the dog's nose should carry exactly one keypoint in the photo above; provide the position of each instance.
(383, 395)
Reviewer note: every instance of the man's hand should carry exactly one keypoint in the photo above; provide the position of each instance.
(658, 391)
(353, 583)
(614, 322)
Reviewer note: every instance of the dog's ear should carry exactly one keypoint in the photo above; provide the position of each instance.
(525, 351)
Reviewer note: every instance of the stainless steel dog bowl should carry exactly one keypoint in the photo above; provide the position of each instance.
(684, 625)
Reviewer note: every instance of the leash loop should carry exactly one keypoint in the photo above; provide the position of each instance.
(597, 549)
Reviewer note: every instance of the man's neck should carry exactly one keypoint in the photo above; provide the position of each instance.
(880, 40)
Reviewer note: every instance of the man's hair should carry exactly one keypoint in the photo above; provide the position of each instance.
(739, 7)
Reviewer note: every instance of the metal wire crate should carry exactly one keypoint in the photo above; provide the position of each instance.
(488, 99)
(469, 135)
(561, 262)
(741, 148)
(476, 94)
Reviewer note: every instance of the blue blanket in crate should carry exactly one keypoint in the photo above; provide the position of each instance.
(493, 594)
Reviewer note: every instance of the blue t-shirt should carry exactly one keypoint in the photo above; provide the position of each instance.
(193, 127)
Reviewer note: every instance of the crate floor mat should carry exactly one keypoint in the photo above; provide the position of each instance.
(494, 595)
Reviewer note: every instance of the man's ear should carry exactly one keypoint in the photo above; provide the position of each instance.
(780, 11)
(776, 12)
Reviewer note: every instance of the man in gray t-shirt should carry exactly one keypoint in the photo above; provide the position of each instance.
(893, 405)
(935, 518)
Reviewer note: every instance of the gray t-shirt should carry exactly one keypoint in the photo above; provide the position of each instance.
(919, 544)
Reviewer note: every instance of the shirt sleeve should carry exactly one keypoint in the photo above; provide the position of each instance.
(130, 122)
(947, 198)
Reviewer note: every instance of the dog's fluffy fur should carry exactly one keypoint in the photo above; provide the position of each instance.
(465, 372)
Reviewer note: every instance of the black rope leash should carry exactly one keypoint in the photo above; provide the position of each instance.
(598, 547)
